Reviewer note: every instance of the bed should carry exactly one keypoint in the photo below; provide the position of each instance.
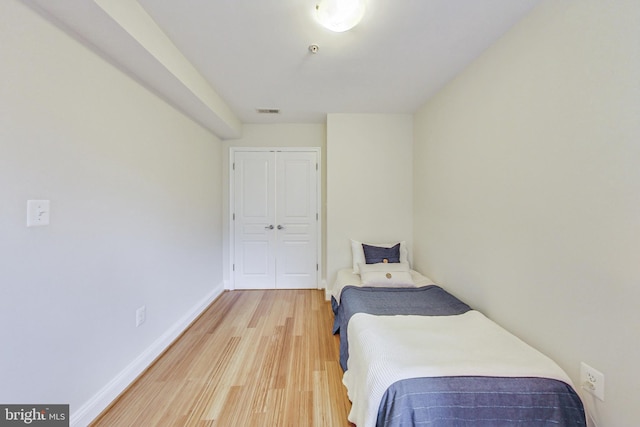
(413, 354)
(457, 370)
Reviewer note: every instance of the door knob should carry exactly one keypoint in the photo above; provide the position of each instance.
(280, 227)
(269, 227)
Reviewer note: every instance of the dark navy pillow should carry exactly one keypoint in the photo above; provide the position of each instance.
(376, 254)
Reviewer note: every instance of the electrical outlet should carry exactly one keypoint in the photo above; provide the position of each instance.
(141, 315)
(592, 380)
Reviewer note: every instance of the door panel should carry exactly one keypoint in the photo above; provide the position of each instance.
(256, 259)
(256, 178)
(254, 234)
(296, 200)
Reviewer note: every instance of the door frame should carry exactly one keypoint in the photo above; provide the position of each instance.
(230, 225)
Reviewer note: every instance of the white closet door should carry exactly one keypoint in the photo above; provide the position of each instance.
(276, 220)
(296, 213)
(254, 225)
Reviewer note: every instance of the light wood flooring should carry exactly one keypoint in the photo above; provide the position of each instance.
(254, 358)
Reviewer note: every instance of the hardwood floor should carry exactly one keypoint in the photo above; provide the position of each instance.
(254, 358)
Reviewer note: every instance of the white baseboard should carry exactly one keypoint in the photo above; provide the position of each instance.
(101, 400)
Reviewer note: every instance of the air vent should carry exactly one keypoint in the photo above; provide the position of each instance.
(268, 110)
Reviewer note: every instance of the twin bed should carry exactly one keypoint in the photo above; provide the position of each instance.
(413, 354)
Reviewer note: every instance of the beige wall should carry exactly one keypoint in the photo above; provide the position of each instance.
(135, 190)
(274, 135)
(527, 190)
(369, 191)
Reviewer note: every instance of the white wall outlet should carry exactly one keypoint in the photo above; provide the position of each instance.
(37, 212)
(592, 380)
(141, 315)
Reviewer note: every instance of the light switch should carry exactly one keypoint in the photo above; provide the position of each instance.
(37, 213)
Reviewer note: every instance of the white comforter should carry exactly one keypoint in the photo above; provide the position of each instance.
(386, 349)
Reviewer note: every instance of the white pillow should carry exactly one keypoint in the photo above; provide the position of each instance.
(385, 274)
(357, 253)
(383, 267)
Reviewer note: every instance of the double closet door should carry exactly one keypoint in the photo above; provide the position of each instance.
(275, 219)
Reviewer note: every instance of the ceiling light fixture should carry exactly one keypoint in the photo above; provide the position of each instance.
(339, 15)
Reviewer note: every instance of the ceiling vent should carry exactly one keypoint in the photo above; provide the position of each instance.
(268, 110)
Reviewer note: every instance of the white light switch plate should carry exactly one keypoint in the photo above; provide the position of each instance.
(37, 212)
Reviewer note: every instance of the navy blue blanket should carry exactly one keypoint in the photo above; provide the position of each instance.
(429, 300)
(480, 402)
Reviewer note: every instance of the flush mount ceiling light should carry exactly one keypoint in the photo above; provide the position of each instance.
(339, 15)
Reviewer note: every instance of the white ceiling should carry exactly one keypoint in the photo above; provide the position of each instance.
(254, 53)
